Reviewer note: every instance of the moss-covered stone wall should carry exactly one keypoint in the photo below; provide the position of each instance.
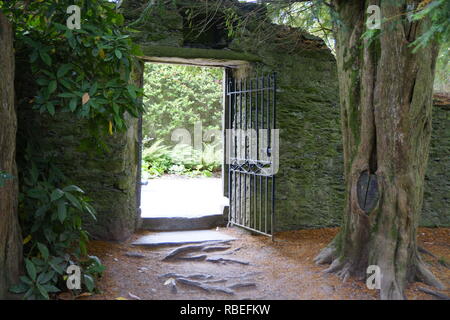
(108, 178)
(436, 206)
(309, 191)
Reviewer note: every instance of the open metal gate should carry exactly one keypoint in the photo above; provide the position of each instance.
(251, 152)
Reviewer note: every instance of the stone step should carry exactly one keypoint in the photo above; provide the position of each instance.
(183, 223)
(182, 237)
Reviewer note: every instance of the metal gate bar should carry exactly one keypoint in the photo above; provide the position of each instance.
(251, 188)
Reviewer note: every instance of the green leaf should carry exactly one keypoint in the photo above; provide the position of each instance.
(42, 81)
(136, 50)
(62, 210)
(19, 288)
(73, 104)
(34, 56)
(118, 54)
(66, 84)
(26, 280)
(45, 277)
(91, 211)
(43, 250)
(83, 248)
(56, 194)
(89, 282)
(93, 89)
(72, 188)
(67, 95)
(38, 262)
(115, 108)
(56, 267)
(31, 269)
(63, 69)
(51, 288)
(73, 200)
(36, 193)
(29, 294)
(42, 291)
(52, 86)
(50, 108)
(46, 58)
(131, 91)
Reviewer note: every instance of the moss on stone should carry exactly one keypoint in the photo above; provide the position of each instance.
(197, 53)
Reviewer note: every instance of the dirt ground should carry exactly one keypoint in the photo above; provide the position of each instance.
(283, 269)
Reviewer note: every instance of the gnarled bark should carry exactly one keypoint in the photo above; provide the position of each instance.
(386, 101)
(10, 238)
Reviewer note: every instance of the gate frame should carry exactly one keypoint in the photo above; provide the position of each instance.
(271, 125)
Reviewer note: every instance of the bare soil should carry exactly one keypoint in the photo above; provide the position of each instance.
(283, 269)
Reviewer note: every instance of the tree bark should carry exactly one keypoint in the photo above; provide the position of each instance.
(386, 104)
(10, 236)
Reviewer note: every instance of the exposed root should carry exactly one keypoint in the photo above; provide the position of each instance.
(341, 268)
(424, 275)
(335, 266)
(425, 251)
(344, 273)
(326, 256)
(205, 287)
(183, 250)
(225, 260)
(434, 293)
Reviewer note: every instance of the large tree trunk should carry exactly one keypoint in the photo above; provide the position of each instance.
(386, 101)
(10, 237)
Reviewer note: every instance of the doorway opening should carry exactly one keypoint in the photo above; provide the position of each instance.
(182, 151)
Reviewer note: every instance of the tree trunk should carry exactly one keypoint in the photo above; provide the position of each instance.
(10, 237)
(386, 101)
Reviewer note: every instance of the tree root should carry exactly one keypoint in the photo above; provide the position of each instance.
(434, 293)
(423, 274)
(392, 288)
(326, 256)
(425, 251)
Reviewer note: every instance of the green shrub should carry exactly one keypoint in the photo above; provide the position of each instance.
(178, 97)
(51, 214)
(182, 159)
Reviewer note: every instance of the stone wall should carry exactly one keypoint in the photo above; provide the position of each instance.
(309, 191)
(108, 178)
(436, 206)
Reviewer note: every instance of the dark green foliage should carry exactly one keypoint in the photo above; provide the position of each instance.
(51, 213)
(439, 13)
(85, 71)
(159, 159)
(179, 97)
